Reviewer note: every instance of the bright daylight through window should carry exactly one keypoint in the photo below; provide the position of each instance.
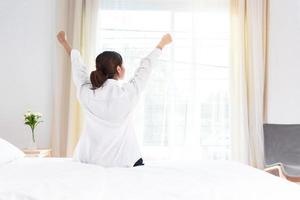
(185, 109)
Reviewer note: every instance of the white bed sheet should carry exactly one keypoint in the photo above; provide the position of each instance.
(53, 178)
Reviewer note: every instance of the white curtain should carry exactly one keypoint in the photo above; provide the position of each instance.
(184, 112)
(249, 61)
(79, 20)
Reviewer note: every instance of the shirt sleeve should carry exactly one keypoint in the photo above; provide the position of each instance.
(79, 69)
(137, 84)
(80, 73)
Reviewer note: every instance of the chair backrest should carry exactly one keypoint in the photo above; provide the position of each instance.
(282, 144)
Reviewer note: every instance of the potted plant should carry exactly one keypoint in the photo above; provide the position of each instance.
(32, 119)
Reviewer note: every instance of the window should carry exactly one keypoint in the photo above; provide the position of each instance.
(185, 110)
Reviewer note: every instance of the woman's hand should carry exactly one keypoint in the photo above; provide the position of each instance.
(61, 36)
(165, 40)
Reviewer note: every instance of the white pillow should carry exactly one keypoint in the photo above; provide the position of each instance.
(9, 152)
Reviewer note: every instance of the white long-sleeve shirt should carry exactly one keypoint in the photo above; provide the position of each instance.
(108, 136)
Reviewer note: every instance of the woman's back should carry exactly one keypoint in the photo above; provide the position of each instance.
(108, 136)
(111, 102)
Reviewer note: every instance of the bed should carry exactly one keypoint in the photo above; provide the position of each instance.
(61, 178)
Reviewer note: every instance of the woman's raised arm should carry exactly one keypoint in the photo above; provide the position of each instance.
(61, 37)
(80, 74)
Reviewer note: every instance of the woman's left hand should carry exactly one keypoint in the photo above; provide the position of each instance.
(61, 36)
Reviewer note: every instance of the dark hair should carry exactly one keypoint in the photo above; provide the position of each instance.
(106, 68)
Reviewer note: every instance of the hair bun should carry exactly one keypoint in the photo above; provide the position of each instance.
(97, 78)
(106, 67)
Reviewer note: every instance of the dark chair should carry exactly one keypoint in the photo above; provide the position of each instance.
(282, 150)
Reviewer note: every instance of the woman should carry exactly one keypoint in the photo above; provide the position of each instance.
(108, 137)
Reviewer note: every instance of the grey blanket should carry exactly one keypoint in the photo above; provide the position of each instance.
(282, 147)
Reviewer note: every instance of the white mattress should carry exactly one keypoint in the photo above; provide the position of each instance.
(52, 178)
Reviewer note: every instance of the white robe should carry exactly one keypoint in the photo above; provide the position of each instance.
(108, 138)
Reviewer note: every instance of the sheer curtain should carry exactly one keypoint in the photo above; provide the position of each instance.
(249, 61)
(185, 110)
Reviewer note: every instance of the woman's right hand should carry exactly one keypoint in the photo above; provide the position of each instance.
(165, 40)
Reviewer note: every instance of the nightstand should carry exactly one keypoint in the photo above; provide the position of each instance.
(37, 152)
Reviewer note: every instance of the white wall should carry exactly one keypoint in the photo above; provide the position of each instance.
(284, 62)
(26, 61)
